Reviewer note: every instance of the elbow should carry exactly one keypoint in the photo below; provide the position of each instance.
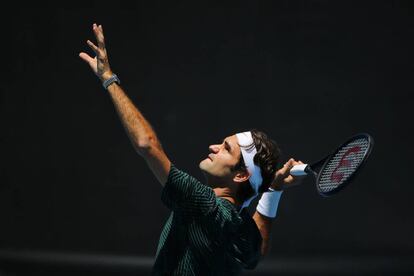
(145, 142)
(145, 145)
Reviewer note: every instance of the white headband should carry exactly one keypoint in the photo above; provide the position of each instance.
(248, 151)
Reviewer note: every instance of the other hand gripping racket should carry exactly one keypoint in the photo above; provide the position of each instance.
(336, 170)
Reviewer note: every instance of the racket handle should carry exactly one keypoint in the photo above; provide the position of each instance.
(299, 170)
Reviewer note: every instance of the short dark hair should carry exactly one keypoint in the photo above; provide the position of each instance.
(267, 158)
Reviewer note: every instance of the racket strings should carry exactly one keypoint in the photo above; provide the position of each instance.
(343, 164)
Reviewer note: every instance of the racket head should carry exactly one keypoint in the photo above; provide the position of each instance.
(343, 164)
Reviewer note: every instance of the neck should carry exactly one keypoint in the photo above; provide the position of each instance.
(229, 195)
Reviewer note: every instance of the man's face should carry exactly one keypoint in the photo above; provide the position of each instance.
(222, 158)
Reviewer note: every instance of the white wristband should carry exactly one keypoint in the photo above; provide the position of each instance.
(268, 203)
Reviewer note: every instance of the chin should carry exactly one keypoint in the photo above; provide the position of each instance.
(203, 165)
(205, 168)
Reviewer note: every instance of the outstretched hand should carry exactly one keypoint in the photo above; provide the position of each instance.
(283, 179)
(99, 64)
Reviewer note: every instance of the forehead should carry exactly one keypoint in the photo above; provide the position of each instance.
(233, 142)
(232, 139)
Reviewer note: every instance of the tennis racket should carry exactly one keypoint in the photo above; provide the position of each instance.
(336, 170)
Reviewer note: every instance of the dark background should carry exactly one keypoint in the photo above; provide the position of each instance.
(308, 73)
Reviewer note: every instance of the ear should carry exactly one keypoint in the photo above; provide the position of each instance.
(241, 176)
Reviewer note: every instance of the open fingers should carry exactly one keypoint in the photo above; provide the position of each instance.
(98, 30)
(93, 47)
(86, 57)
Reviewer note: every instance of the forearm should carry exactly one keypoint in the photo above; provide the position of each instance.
(264, 224)
(139, 130)
(265, 213)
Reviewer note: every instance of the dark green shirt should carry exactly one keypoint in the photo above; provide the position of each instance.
(205, 234)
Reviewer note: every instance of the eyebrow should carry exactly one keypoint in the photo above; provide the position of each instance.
(228, 145)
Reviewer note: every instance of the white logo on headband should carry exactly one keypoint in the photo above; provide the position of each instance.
(248, 151)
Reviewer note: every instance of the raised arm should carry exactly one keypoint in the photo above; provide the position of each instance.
(282, 181)
(264, 224)
(139, 130)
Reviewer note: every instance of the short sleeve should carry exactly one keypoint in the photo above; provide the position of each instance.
(184, 193)
(249, 241)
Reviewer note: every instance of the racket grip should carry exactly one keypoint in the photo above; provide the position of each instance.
(299, 170)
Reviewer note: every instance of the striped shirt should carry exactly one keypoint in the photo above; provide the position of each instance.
(205, 234)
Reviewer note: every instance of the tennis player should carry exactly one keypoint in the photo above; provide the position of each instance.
(209, 231)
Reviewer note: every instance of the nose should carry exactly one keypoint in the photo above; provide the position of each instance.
(213, 148)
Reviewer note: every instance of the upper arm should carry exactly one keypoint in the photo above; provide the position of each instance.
(158, 162)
